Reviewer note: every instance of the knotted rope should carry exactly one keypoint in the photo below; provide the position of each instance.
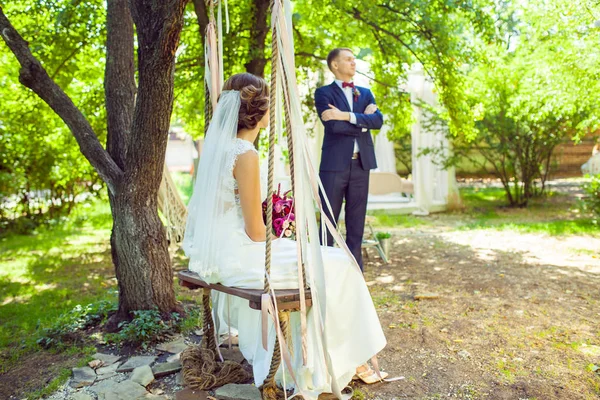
(202, 368)
(202, 372)
(269, 387)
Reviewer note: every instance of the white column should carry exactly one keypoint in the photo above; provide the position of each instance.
(421, 165)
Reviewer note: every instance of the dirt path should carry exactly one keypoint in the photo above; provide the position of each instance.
(470, 314)
(513, 316)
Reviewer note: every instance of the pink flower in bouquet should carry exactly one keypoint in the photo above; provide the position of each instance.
(283, 213)
(278, 226)
(283, 206)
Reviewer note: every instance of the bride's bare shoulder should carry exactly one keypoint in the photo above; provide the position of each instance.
(246, 164)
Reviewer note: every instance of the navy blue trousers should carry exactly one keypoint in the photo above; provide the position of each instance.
(353, 186)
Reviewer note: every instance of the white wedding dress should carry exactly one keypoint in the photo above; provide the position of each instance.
(352, 331)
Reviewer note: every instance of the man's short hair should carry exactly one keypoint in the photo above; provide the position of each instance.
(334, 53)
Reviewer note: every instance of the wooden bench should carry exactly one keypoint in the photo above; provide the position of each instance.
(287, 299)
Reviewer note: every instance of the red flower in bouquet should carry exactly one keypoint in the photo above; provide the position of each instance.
(284, 219)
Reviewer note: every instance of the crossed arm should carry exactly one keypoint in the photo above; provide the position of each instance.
(338, 122)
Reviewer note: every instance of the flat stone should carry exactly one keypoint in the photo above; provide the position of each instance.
(189, 394)
(164, 369)
(135, 362)
(427, 296)
(107, 359)
(107, 372)
(82, 377)
(233, 391)
(80, 396)
(464, 354)
(233, 355)
(106, 376)
(126, 390)
(101, 388)
(174, 357)
(179, 379)
(130, 390)
(198, 332)
(112, 390)
(142, 375)
(176, 346)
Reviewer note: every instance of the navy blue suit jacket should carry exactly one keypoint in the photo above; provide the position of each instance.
(338, 142)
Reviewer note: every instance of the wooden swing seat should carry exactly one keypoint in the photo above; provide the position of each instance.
(287, 299)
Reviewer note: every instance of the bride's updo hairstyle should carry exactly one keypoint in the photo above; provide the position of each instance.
(254, 95)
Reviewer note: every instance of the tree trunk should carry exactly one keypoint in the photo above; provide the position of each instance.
(258, 33)
(132, 165)
(141, 254)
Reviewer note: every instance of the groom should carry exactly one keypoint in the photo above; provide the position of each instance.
(348, 112)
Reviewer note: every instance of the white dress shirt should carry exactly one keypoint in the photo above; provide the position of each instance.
(350, 97)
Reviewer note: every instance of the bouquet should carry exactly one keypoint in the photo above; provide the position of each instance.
(284, 220)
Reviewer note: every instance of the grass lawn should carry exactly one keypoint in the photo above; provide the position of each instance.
(485, 208)
(48, 273)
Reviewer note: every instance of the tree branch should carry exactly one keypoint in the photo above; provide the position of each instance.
(419, 29)
(309, 55)
(64, 62)
(202, 17)
(35, 77)
(356, 14)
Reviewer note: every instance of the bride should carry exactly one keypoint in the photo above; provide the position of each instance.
(225, 240)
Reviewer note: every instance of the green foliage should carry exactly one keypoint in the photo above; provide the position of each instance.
(185, 185)
(42, 173)
(518, 145)
(67, 328)
(592, 200)
(538, 90)
(383, 235)
(149, 326)
(146, 326)
(192, 320)
(439, 34)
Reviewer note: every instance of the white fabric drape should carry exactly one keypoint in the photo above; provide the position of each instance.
(384, 151)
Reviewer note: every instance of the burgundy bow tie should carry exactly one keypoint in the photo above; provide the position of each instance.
(347, 84)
